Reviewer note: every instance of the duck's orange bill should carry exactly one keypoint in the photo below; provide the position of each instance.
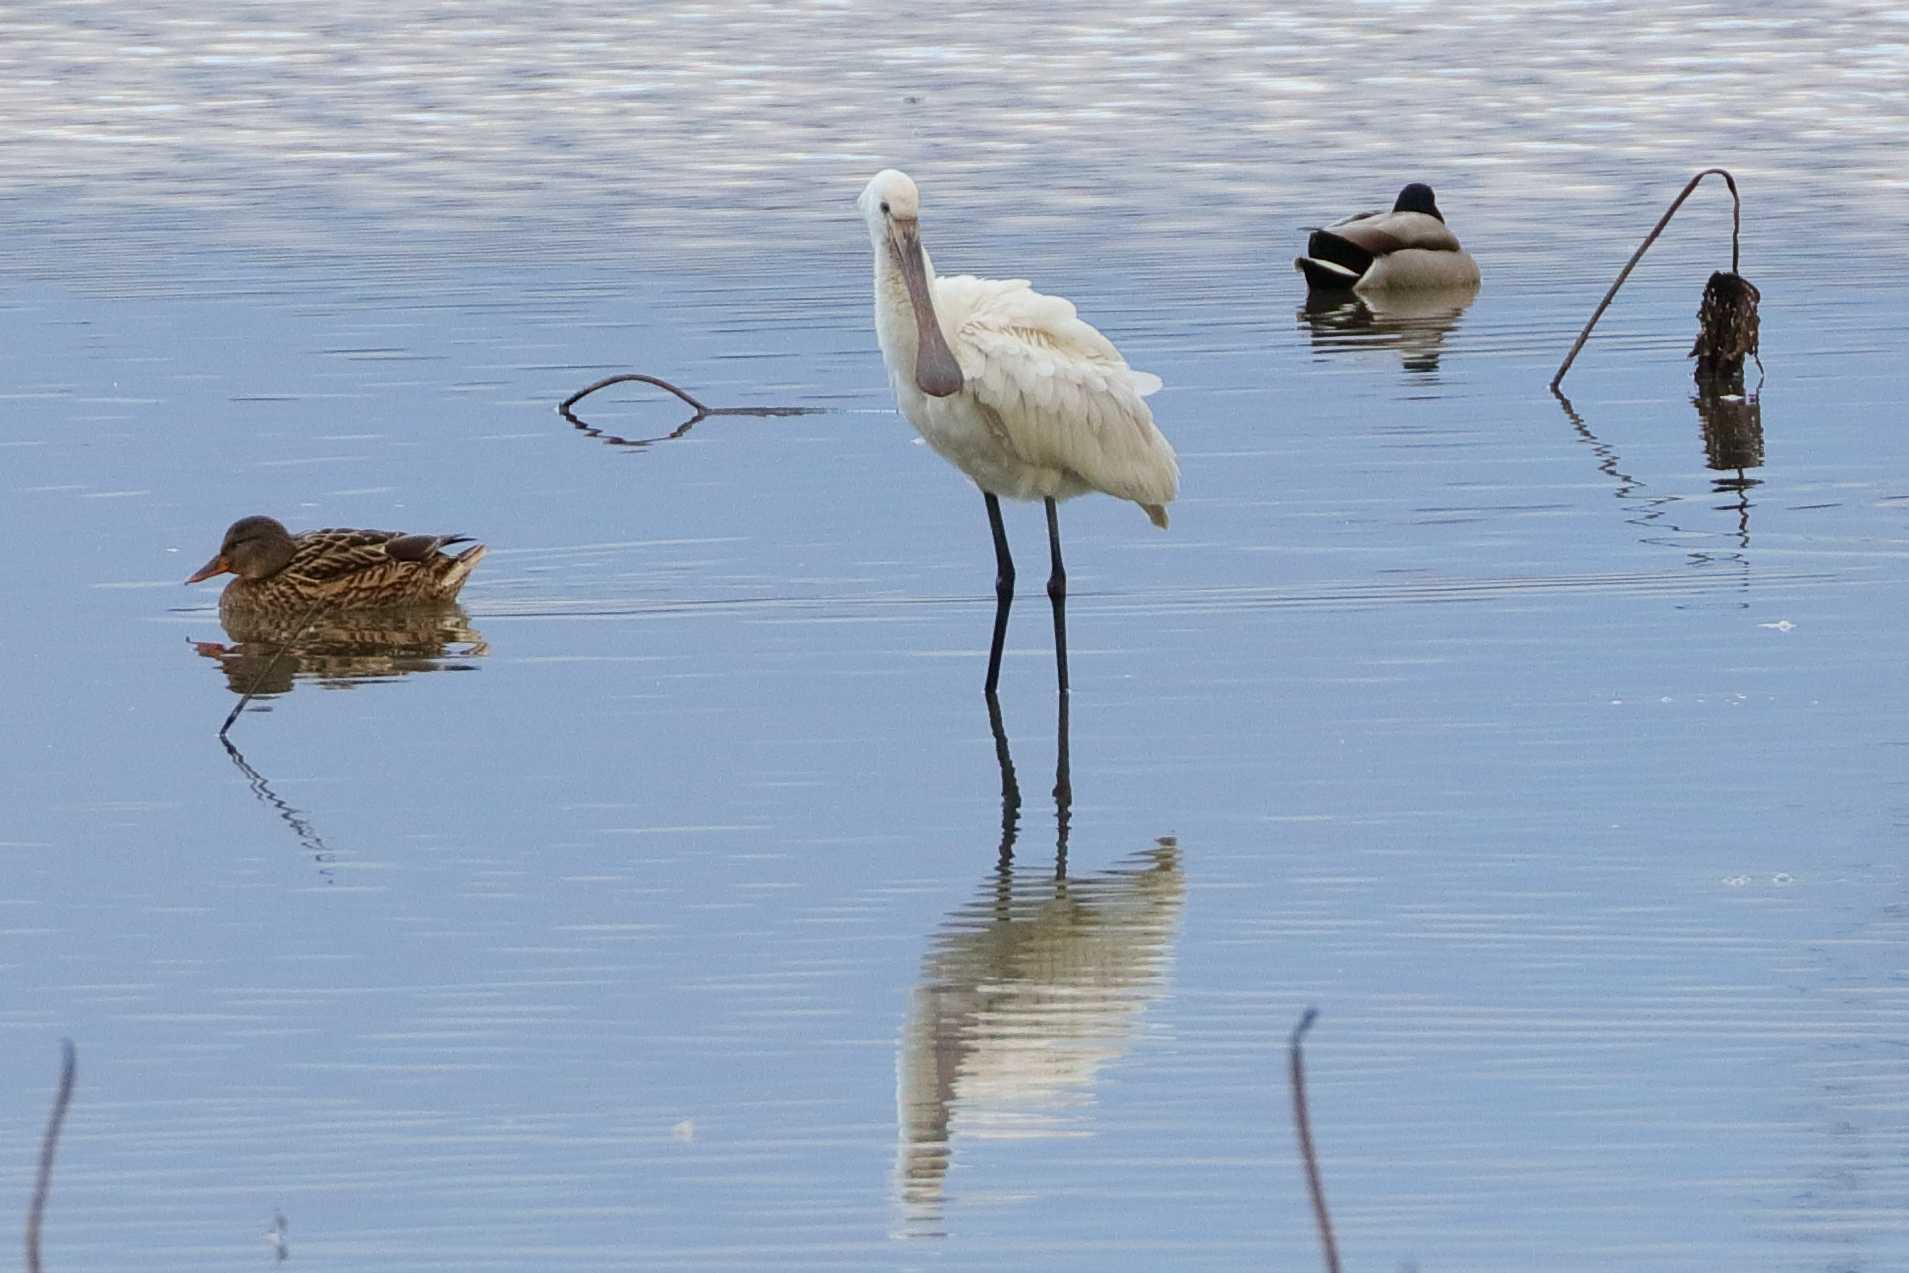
(216, 566)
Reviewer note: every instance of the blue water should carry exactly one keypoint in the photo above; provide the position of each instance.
(669, 915)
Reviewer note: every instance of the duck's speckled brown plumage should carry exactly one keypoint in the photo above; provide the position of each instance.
(280, 572)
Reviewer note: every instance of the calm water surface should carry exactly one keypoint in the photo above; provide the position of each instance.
(677, 904)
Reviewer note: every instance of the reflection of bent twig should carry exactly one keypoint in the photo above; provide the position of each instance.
(301, 827)
(1652, 512)
(36, 1210)
(1736, 227)
(703, 410)
(1297, 1066)
(591, 430)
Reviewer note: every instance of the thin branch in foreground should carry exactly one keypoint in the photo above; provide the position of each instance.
(36, 1211)
(264, 671)
(1301, 1120)
(1736, 230)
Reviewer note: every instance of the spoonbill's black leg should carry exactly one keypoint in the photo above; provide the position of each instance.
(1003, 589)
(1057, 591)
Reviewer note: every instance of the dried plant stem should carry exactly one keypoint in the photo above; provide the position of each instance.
(36, 1211)
(264, 671)
(607, 381)
(1304, 1123)
(1736, 231)
(702, 409)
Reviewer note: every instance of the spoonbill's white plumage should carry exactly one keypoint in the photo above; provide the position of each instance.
(1409, 248)
(1013, 389)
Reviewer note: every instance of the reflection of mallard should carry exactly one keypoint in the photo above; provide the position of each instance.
(341, 649)
(1409, 248)
(1027, 992)
(1413, 322)
(286, 574)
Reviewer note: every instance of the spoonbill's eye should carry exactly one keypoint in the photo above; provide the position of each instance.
(884, 207)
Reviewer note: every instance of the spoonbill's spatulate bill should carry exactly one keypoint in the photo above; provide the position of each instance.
(1012, 389)
(1409, 248)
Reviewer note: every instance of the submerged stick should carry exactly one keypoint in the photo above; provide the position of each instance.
(1736, 229)
(1297, 1068)
(265, 671)
(36, 1210)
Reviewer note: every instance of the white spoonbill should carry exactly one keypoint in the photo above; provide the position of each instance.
(1012, 389)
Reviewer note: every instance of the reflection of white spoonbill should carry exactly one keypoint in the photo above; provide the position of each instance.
(1012, 389)
(1028, 993)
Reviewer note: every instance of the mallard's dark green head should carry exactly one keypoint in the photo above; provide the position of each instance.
(1417, 197)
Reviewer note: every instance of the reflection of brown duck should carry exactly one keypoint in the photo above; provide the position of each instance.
(285, 574)
(1415, 323)
(339, 650)
(1027, 992)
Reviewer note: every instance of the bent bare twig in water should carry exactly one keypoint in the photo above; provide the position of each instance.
(1736, 230)
(703, 410)
(36, 1211)
(1297, 1070)
(626, 378)
(284, 647)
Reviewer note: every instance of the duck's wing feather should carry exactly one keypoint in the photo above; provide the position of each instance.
(1063, 395)
(421, 547)
(337, 553)
(1383, 233)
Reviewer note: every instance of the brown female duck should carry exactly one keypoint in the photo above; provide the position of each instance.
(348, 569)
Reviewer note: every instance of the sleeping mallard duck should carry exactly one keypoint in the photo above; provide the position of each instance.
(350, 569)
(1408, 248)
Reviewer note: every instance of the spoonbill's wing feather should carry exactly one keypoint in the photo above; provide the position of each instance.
(1064, 396)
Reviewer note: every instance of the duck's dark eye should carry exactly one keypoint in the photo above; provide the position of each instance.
(884, 206)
